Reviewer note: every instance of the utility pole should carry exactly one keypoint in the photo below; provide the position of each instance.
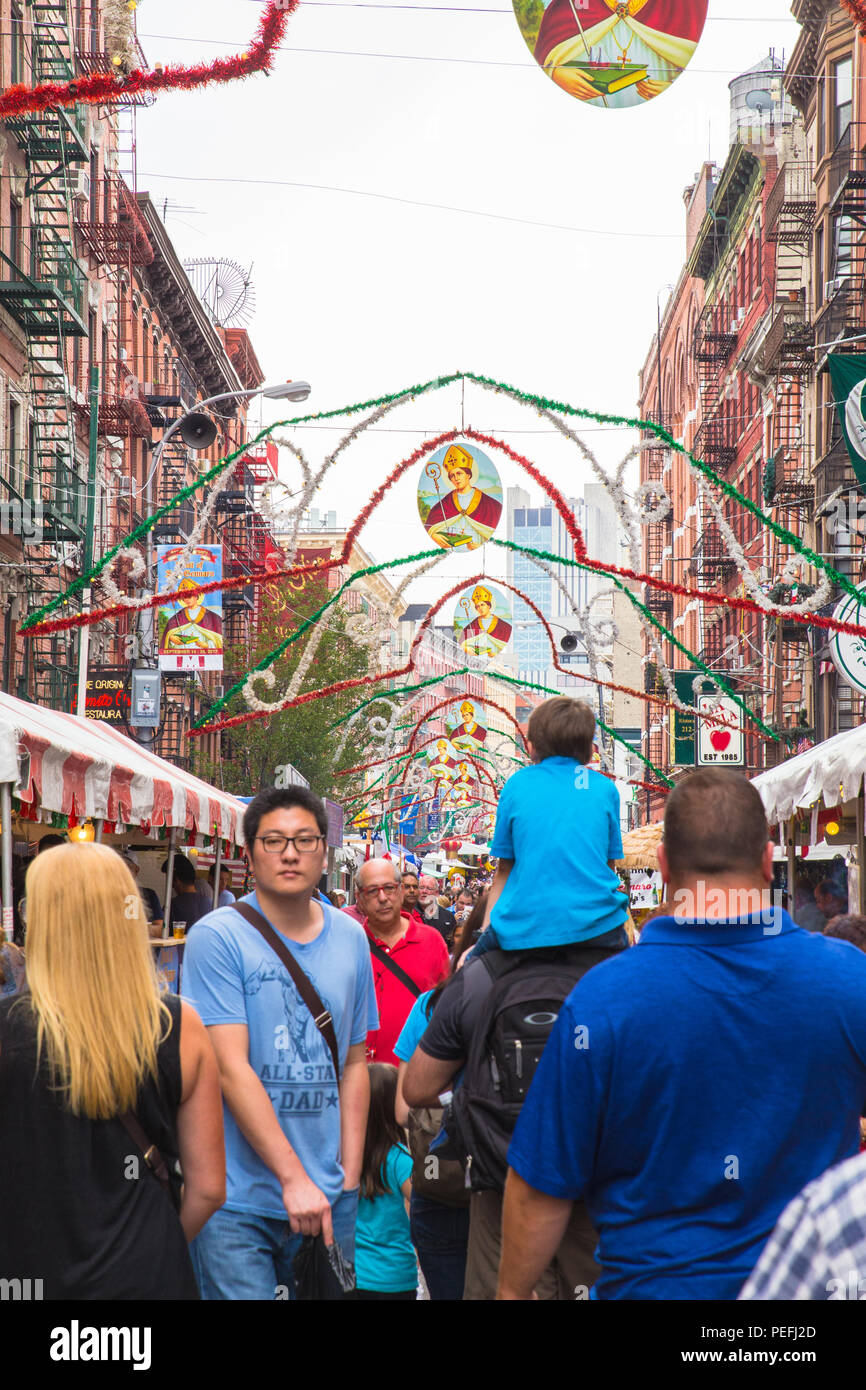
(89, 526)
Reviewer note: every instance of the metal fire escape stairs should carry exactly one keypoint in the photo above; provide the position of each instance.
(46, 292)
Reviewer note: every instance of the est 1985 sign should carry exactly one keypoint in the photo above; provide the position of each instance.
(719, 746)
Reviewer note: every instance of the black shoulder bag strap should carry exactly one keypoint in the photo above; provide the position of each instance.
(303, 983)
(152, 1156)
(396, 970)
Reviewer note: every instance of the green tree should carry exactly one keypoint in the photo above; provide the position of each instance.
(253, 754)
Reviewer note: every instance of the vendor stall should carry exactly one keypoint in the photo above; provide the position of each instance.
(817, 797)
(61, 772)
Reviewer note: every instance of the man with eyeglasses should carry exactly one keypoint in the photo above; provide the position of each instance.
(294, 1130)
(408, 957)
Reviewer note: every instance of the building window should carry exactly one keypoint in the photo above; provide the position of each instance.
(819, 267)
(843, 236)
(821, 117)
(843, 96)
(15, 224)
(16, 69)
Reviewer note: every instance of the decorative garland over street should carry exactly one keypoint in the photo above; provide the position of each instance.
(102, 89)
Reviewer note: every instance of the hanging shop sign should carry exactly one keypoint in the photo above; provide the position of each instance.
(612, 54)
(107, 695)
(848, 378)
(716, 746)
(848, 653)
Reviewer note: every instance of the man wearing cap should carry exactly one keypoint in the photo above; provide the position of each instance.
(465, 516)
(486, 635)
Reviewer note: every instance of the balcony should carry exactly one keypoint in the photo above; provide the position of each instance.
(122, 413)
(715, 340)
(788, 346)
(710, 559)
(791, 208)
(833, 472)
(48, 297)
(714, 443)
(57, 137)
(110, 225)
(846, 174)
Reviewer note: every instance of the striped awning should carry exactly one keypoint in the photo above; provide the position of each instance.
(86, 768)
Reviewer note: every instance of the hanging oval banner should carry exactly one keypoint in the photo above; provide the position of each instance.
(464, 726)
(612, 53)
(482, 621)
(459, 497)
(848, 652)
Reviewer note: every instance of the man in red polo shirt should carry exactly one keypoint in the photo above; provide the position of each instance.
(417, 951)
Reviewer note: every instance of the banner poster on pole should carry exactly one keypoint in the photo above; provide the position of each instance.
(190, 627)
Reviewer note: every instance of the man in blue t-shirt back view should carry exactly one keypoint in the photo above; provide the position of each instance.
(693, 1084)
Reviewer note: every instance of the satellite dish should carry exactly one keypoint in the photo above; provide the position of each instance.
(760, 99)
(225, 289)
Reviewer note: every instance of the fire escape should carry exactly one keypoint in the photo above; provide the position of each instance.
(787, 352)
(841, 315)
(44, 290)
(715, 340)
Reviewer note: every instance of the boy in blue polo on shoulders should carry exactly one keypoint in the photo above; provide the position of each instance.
(557, 836)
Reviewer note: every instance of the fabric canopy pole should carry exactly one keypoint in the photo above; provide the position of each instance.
(6, 852)
(216, 872)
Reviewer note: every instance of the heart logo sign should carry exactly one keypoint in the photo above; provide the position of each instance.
(720, 739)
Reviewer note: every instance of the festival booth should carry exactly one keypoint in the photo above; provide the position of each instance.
(816, 800)
(59, 772)
(641, 869)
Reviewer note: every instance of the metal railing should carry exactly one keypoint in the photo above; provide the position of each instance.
(37, 257)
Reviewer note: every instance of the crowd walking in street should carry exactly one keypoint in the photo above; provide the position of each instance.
(512, 1103)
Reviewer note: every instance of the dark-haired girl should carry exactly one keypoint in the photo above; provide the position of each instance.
(385, 1266)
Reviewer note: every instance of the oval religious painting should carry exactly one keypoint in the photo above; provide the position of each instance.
(482, 621)
(612, 53)
(442, 760)
(465, 726)
(459, 497)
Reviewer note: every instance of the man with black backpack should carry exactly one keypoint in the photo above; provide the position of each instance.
(493, 1019)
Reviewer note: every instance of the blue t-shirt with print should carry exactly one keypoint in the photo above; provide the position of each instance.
(559, 822)
(384, 1256)
(231, 975)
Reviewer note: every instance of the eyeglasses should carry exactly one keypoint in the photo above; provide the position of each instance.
(303, 844)
(390, 891)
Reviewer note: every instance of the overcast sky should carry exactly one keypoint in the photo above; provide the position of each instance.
(362, 295)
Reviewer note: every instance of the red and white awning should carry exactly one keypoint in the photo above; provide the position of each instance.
(86, 768)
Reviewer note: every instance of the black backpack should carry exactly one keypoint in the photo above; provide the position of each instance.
(524, 993)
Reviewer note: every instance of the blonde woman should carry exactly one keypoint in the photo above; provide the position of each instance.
(91, 1041)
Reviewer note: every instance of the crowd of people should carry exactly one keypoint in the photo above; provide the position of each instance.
(469, 1092)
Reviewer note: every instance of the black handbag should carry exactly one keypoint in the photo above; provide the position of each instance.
(321, 1271)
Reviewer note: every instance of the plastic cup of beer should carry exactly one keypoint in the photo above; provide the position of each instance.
(179, 929)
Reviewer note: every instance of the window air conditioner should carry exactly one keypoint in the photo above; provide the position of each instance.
(79, 185)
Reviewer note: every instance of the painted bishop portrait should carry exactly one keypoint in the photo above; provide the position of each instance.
(465, 515)
(618, 53)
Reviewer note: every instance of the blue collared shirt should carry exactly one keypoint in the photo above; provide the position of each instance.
(690, 1088)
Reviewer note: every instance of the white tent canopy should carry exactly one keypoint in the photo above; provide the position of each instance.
(86, 768)
(831, 773)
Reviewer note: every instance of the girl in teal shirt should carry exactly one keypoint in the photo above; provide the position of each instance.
(385, 1266)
